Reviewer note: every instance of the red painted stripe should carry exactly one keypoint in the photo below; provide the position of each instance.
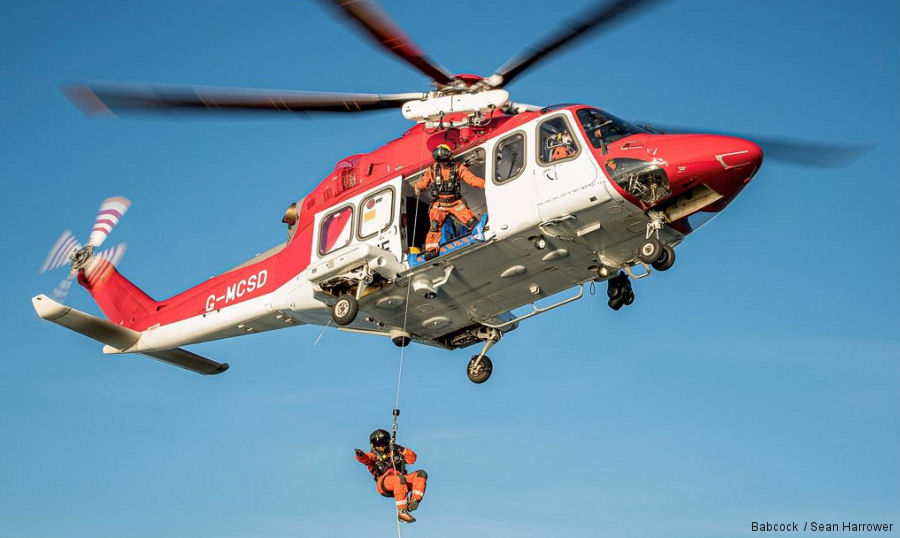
(114, 212)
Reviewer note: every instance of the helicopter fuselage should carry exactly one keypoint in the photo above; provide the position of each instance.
(571, 193)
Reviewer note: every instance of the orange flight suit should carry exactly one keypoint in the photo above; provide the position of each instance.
(446, 204)
(393, 482)
(561, 152)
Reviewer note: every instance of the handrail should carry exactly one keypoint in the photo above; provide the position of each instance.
(537, 310)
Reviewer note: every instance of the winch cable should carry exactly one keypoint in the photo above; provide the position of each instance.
(396, 410)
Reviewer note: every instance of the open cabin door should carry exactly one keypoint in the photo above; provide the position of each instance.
(415, 222)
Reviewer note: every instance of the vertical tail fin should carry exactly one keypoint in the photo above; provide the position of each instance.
(121, 301)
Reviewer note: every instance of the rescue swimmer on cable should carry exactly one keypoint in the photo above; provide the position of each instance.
(387, 462)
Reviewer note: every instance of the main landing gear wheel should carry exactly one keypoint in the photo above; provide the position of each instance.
(666, 259)
(344, 310)
(479, 371)
(650, 250)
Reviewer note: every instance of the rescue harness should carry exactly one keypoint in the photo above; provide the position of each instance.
(445, 188)
(383, 461)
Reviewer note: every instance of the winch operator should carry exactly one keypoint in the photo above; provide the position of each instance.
(444, 176)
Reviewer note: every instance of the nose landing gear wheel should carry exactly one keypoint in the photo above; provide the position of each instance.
(344, 310)
(479, 372)
(666, 259)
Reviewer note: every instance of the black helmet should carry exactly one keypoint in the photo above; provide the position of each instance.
(380, 438)
(442, 153)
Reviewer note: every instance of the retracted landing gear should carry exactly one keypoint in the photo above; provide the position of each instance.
(619, 291)
(653, 251)
(480, 366)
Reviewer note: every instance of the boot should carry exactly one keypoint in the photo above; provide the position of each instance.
(404, 516)
(430, 255)
(413, 504)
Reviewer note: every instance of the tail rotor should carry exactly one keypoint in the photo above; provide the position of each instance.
(67, 250)
(111, 210)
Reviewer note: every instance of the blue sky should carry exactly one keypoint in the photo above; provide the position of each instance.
(757, 380)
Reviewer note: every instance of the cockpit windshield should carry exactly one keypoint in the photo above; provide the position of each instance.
(603, 128)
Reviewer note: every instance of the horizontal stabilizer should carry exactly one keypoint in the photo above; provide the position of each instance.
(118, 338)
(188, 361)
(101, 330)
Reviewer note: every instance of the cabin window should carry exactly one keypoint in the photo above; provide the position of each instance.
(509, 158)
(555, 141)
(336, 230)
(376, 213)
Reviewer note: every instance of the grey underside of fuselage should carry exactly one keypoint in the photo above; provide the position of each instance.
(476, 290)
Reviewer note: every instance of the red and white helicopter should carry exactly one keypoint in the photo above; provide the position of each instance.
(611, 205)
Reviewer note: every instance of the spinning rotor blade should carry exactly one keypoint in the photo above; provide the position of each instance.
(111, 210)
(601, 14)
(380, 27)
(112, 255)
(62, 289)
(103, 261)
(100, 264)
(110, 100)
(60, 252)
(790, 150)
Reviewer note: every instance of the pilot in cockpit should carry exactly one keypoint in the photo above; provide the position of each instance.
(561, 146)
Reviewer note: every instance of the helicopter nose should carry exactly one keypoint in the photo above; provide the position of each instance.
(735, 160)
(733, 152)
(724, 163)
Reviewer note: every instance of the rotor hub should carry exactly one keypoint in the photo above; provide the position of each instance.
(81, 257)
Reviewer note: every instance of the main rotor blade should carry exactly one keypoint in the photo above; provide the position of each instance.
(601, 14)
(109, 100)
(792, 150)
(380, 27)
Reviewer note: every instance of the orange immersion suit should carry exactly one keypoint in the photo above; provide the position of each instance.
(447, 198)
(391, 479)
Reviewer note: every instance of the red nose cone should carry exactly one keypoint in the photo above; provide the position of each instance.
(734, 162)
(724, 163)
(734, 153)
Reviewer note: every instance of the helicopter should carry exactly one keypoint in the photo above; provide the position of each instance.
(573, 195)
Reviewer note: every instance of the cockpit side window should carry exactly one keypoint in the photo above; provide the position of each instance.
(555, 141)
(603, 128)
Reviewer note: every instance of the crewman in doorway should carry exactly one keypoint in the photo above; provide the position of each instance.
(444, 176)
(387, 462)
